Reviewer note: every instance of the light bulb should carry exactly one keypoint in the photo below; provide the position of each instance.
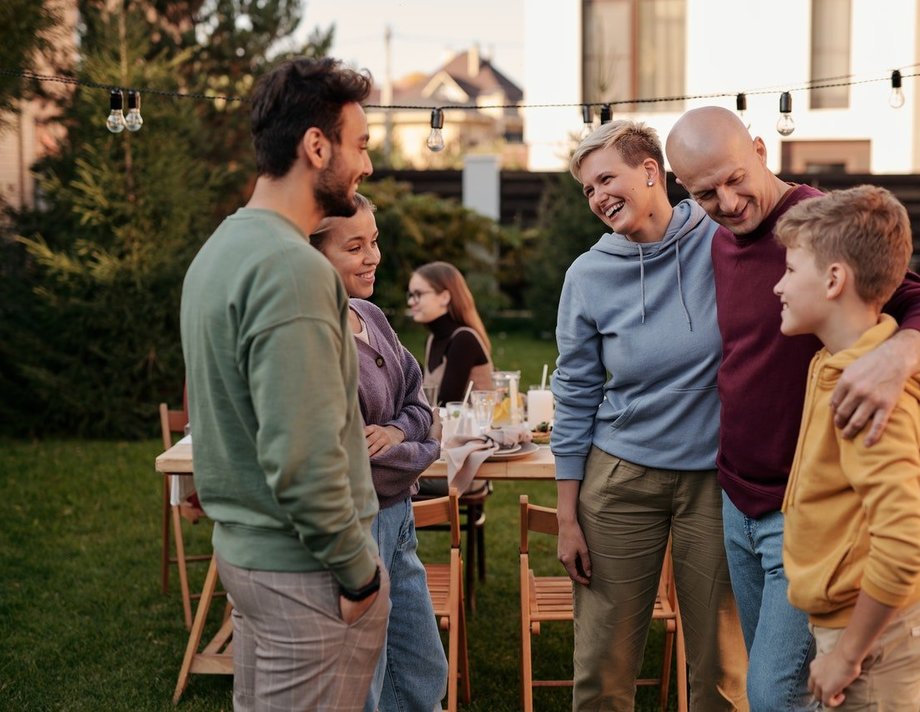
(116, 121)
(587, 116)
(436, 138)
(785, 125)
(741, 107)
(134, 121)
(896, 98)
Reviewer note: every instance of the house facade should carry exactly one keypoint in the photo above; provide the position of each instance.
(620, 50)
(466, 79)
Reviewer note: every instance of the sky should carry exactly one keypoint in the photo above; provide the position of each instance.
(425, 33)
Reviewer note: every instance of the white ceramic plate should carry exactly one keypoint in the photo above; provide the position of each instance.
(524, 450)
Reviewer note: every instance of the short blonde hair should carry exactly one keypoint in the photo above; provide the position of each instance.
(866, 227)
(326, 225)
(634, 140)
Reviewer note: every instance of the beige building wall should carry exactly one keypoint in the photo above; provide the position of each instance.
(31, 133)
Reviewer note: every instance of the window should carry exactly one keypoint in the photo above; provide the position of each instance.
(810, 157)
(634, 49)
(830, 52)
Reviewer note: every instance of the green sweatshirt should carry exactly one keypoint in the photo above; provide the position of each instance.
(280, 459)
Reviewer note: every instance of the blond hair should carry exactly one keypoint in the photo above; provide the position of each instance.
(462, 308)
(633, 140)
(866, 227)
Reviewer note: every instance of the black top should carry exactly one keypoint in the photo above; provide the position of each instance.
(461, 353)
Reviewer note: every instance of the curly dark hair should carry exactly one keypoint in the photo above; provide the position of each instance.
(294, 96)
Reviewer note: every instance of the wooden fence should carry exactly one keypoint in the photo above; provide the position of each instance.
(521, 191)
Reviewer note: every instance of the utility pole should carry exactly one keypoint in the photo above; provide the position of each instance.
(386, 98)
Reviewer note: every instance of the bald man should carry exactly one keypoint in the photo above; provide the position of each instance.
(762, 386)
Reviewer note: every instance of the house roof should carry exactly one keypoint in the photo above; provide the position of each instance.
(453, 84)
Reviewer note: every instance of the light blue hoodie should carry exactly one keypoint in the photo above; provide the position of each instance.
(646, 315)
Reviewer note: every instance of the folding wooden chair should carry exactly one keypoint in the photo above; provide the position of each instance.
(473, 525)
(549, 598)
(216, 658)
(173, 421)
(445, 584)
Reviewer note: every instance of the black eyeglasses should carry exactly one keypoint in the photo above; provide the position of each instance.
(417, 294)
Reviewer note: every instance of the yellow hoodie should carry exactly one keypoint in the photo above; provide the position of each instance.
(852, 513)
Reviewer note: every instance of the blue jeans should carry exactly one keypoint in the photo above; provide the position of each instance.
(411, 674)
(780, 646)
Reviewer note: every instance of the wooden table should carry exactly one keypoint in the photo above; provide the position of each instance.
(539, 465)
(217, 656)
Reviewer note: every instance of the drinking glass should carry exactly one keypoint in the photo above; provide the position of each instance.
(431, 395)
(507, 397)
(483, 408)
(454, 414)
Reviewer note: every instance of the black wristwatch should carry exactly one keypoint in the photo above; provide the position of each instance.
(365, 591)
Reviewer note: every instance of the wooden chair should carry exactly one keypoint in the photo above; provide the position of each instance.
(216, 658)
(473, 524)
(549, 598)
(173, 421)
(446, 588)
(473, 506)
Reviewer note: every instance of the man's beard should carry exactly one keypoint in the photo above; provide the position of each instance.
(331, 193)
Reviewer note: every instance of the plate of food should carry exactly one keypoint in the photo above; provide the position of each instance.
(523, 450)
(541, 433)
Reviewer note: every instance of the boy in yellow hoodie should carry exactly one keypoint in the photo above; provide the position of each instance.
(852, 513)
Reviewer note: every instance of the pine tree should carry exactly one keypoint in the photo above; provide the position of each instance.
(92, 276)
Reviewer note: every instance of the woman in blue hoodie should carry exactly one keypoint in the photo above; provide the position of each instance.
(636, 430)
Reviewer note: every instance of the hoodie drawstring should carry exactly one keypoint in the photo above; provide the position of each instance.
(680, 289)
(641, 280)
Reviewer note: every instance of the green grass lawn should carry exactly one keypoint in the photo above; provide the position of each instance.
(85, 626)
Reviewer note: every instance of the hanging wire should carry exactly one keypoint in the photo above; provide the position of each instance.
(841, 81)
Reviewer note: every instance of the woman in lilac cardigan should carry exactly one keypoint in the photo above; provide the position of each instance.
(401, 443)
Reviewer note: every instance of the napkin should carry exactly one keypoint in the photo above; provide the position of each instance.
(181, 487)
(182, 492)
(466, 451)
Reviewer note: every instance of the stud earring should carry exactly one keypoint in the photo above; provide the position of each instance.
(650, 183)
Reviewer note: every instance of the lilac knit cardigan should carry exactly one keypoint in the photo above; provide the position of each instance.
(390, 393)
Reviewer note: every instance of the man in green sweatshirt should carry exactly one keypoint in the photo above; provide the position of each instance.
(280, 458)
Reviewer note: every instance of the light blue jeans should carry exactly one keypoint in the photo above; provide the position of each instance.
(780, 646)
(411, 675)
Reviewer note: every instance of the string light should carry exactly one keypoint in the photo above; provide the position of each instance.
(896, 99)
(741, 108)
(134, 121)
(116, 124)
(785, 125)
(436, 138)
(587, 116)
(606, 114)
(116, 121)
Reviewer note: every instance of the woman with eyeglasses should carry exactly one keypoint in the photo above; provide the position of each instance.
(458, 349)
(412, 670)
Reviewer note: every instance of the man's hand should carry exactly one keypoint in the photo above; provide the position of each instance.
(870, 387)
(353, 610)
(381, 438)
